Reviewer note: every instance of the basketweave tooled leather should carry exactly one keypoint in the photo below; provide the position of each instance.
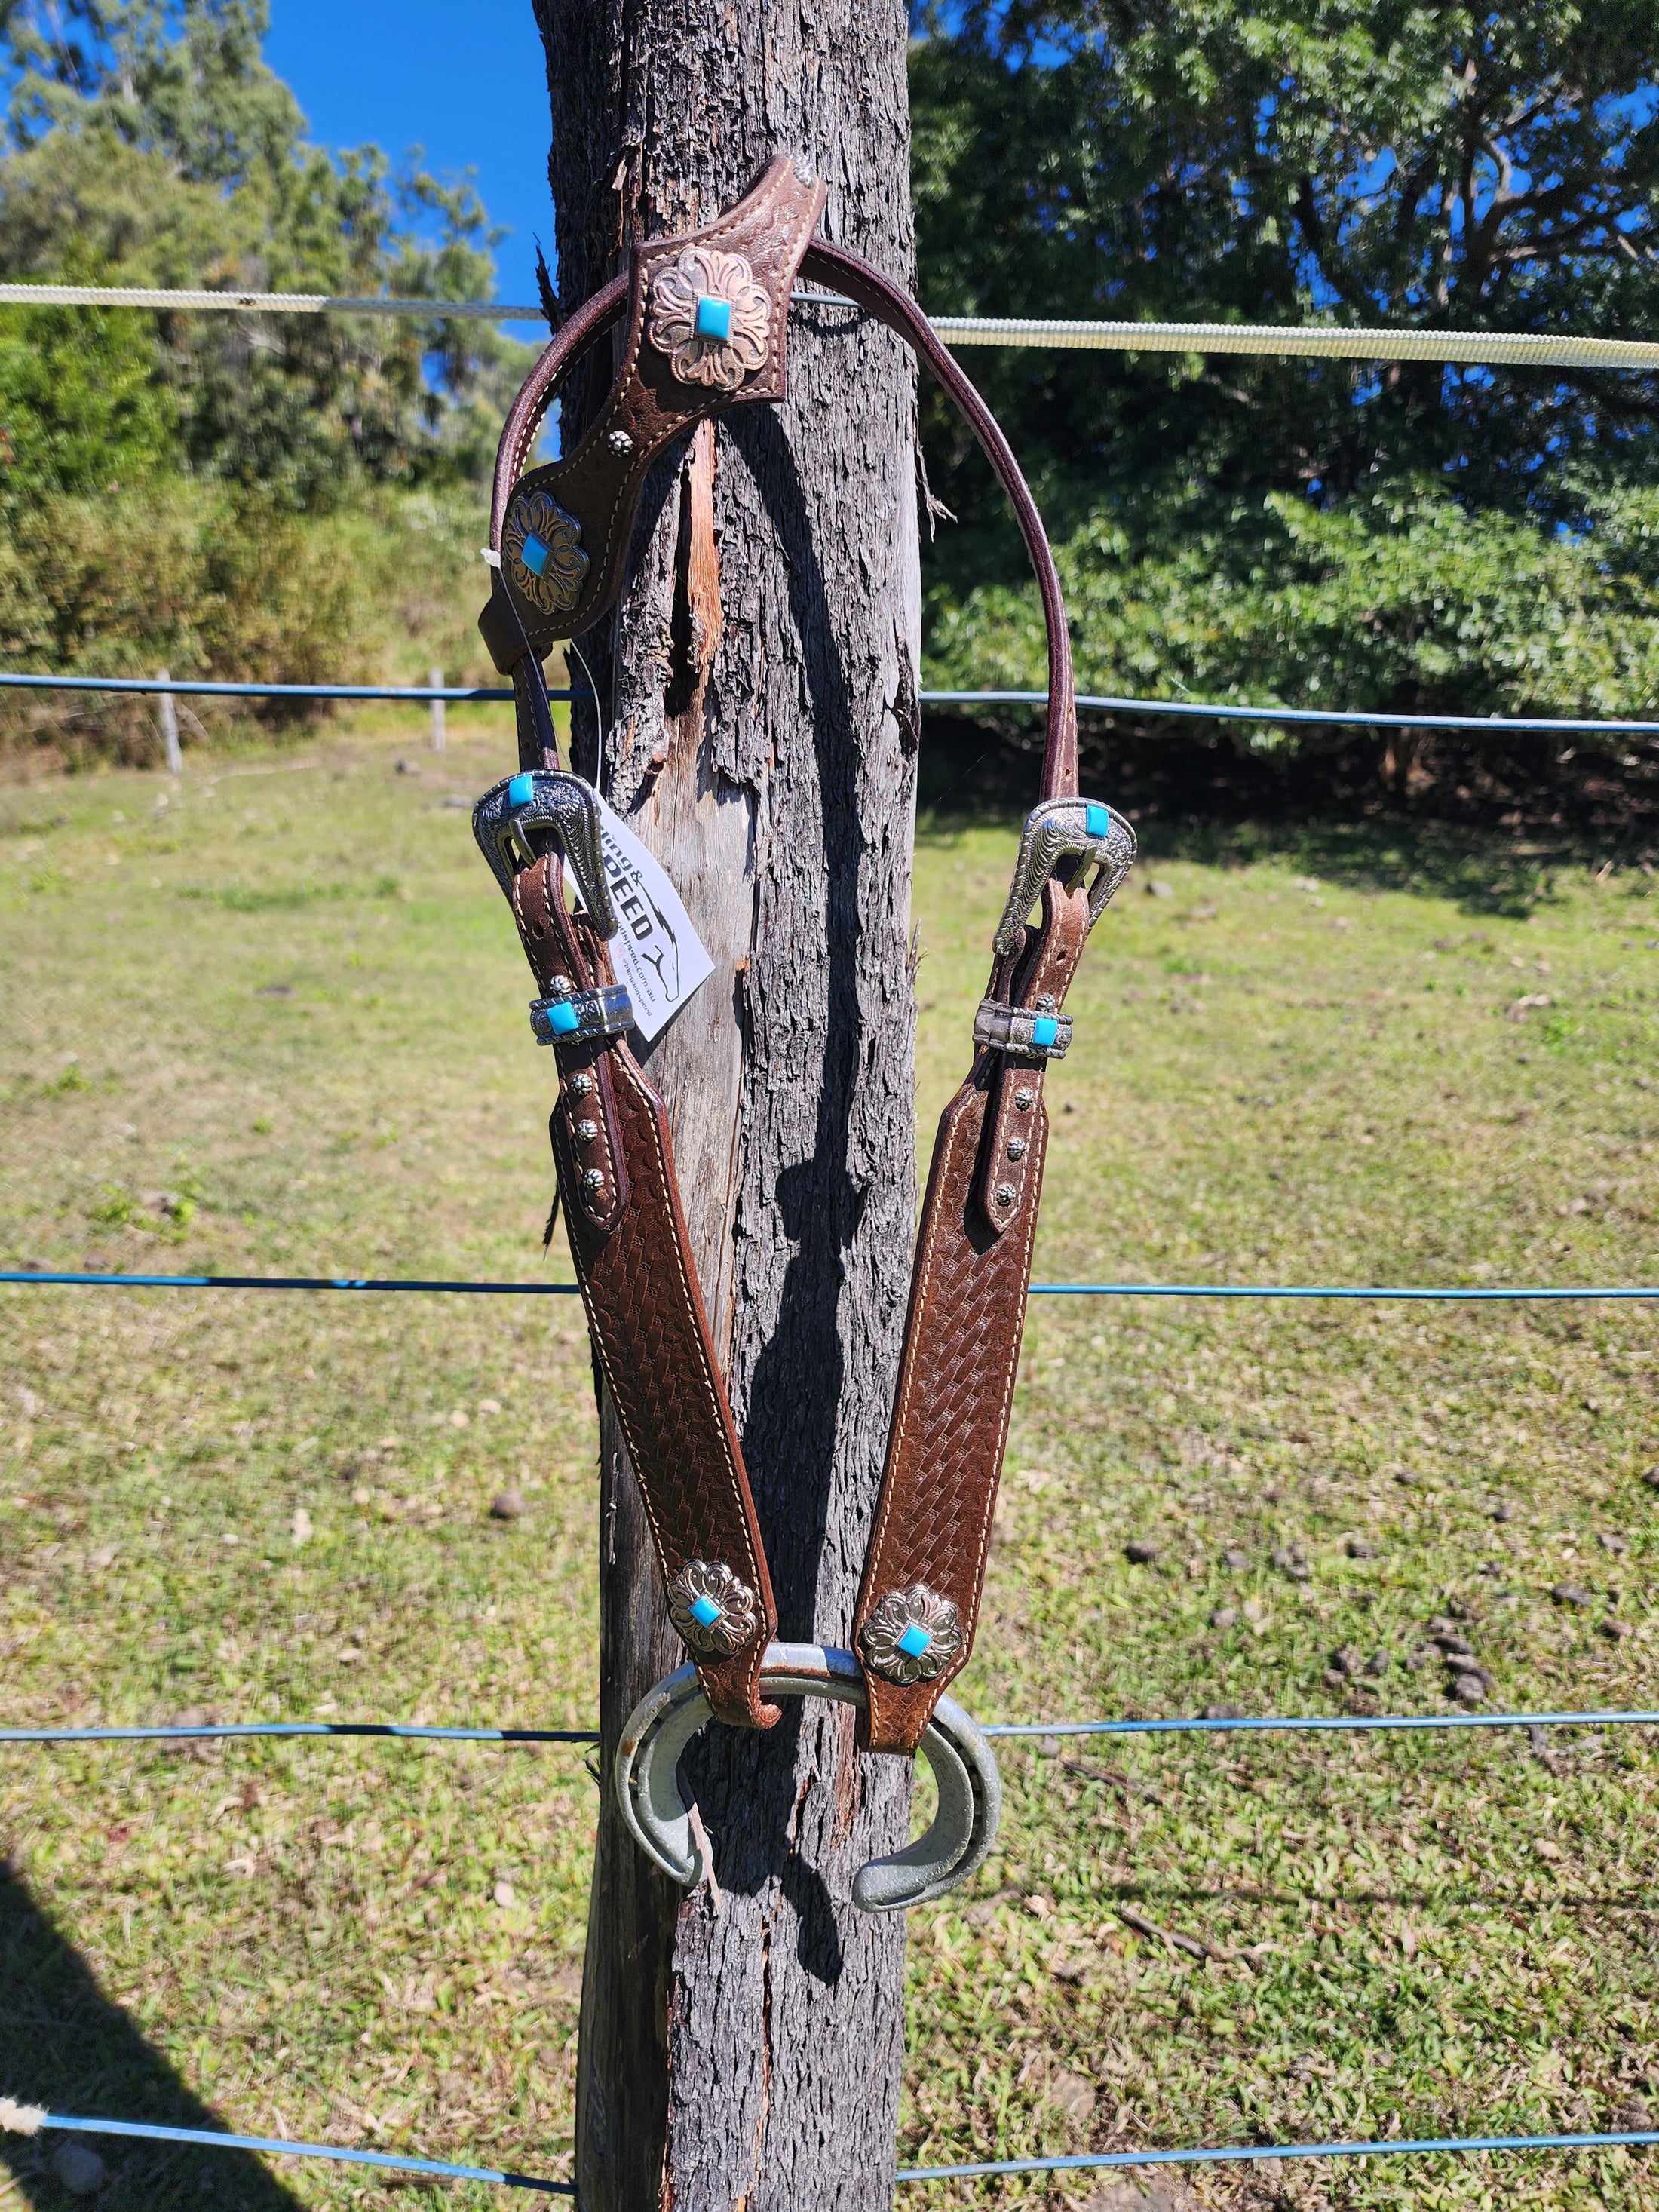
(645, 1308)
(962, 1337)
(973, 1260)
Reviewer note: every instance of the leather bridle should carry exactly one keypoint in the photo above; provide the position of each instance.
(705, 329)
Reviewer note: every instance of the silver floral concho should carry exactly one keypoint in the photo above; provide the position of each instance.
(713, 1610)
(911, 1635)
(542, 546)
(710, 318)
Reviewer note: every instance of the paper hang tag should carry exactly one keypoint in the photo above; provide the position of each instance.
(656, 952)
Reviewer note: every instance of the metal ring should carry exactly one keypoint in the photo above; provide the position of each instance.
(662, 1822)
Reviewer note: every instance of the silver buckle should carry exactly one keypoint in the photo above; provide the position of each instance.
(1098, 838)
(548, 799)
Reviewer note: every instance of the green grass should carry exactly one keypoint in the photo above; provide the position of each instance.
(278, 1026)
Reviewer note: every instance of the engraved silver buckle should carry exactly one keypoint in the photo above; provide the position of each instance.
(547, 798)
(1085, 829)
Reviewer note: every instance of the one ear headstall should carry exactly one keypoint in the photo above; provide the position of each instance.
(707, 318)
(707, 322)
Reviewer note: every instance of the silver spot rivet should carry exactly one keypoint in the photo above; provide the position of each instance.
(1045, 1005)
(1016, 1148)
(580, 1084)
(586, 1132)
(620, 443)
(593, 1182)
(1006, 1194)
(1025, 1100)
(559, 987)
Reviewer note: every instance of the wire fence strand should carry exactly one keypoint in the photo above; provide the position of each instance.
(279, 2147)
(1188, 710)
(1178, 1725)
(1243, 2152)
(1317, 341)
(1450, 1293)
(29, 2121)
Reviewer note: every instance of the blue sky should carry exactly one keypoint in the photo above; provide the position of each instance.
(469, 85)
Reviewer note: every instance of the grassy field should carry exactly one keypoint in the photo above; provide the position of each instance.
(275, 1024)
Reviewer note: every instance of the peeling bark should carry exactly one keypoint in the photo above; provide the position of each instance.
(758, 679)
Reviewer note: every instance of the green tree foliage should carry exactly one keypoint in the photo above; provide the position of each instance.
(287, 499)
(151, 145)
(1317, 533)
(81, 406)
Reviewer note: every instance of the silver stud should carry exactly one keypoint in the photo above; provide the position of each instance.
(1024, 1100)
(1016, 1148)
(1047, 1003)
(620, 443)
(586, 1132)
(1006, 1194)
(593, 1182)
(559, 987)
(579, 1085)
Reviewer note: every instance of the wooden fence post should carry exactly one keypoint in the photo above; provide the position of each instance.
(759, 733)
(169, 712)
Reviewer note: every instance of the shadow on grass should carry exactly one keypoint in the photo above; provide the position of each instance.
(64, 2044)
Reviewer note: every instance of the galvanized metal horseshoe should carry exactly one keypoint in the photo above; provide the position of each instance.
(660, 1819)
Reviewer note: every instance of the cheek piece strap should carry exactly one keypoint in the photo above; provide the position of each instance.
(703, 322)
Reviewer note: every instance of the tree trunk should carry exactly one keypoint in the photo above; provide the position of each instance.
(758, 729)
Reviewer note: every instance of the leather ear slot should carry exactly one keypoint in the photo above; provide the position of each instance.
(708, 329)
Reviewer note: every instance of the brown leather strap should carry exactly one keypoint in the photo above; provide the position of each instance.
(962, 1341)
(629, 1238)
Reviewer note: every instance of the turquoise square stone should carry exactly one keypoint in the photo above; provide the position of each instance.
(564, 1020)
(705, 1612)
(714, 317)
(520, 791)
(1097, 819)
(914, 1641)
(535, 553)
(1044, 1029)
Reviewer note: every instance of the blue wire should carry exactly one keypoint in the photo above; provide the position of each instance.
(1308, 1290)
(1202, 710)
(1251, 2151)
(1321, 717)
(1239, 1725)
(571, 1290)
(287, 1283)
(276, 2147)
(419, 1732)
(177, 684)
(415, 1730)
